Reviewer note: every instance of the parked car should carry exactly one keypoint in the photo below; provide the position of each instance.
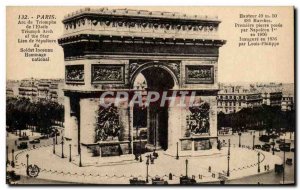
(44, 137)
(276, 149)
(279, 141)
(11, 176)
(35, 141)
(24, 138)
(264, 138)
(136, 181)
(289, 161)
(184, 180)
(272, 143)
(23, 145)
(285, 147)
(274, 136)
(278, 168)
(265, 148)
(158, 181)
(257, 146)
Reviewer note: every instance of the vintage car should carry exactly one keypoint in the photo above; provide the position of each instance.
(266, 147)
(136, 181)
(279, 141)
(264, 138)
(44, 137)
(278, 168)
(24, 138)
(184, 180)
(285, 147)
(257, 146)
(158, 181)
(11, 176)
(35, 141)
(289, 161)
(22, 145)
(275, 149)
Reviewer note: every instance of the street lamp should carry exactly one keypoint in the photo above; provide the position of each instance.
(55, 138)
(80, 164)
(13, 158)
(228, 158)
(273, 146)
(177, 156)
(53, 145)
(258, 162)
(27, 161)
(186, 167)
(283, 174)
(147, 164)
(7, 161)
(70, 159)
(140, 149)
(62, 147)
(253, 142)
(240, 134)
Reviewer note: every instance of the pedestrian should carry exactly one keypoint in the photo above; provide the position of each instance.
(152, 160)
(16, 143)
(265, 168)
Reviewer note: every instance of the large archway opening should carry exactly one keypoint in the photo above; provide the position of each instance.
(151, 123)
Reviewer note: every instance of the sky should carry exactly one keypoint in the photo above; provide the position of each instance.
(236, 64)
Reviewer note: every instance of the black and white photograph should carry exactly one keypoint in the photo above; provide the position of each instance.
(150, 95)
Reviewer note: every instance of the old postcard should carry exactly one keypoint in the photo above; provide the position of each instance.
(150, 95)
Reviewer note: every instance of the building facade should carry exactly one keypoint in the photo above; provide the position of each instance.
(287, 103)
(38, 90)
(105, 50)
(28, 89)
(232, 99)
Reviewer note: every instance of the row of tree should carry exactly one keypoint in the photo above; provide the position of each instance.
(265, 117)
(22, 113)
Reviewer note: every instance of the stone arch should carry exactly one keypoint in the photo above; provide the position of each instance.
(149, 65)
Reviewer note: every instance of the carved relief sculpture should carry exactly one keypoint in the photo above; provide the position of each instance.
(107, 73)
(199, 74)
(107, 126)
(198, 120)
(74, 73)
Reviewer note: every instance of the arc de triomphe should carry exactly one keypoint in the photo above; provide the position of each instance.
(105, 50)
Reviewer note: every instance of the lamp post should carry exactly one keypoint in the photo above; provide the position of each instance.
(258, 162)
(62, 147)
(70, 159)
(53, 145)
(283, 174)
(140, 149)
(27, 161)
(147, 165)
(273, 146)
(80, 164)
(186, 167)
(55, 138)
(7, 161)
(240, 134)
(253, 142)
(13, 158)
(228, 158)
(177, 156)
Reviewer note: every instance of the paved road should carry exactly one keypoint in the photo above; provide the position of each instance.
(247, 139)
(269, 178)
